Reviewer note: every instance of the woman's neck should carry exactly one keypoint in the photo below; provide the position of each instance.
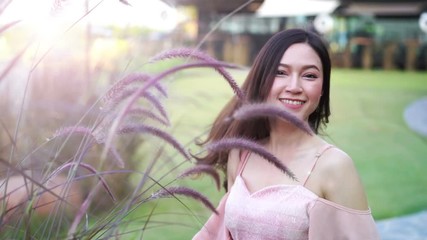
(287, 137)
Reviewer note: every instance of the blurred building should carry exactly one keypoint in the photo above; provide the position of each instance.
(383, 34)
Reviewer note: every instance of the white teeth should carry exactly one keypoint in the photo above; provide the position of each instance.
(293, 102)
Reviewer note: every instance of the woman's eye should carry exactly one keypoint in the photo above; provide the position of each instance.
(310, 76)
(281, 72)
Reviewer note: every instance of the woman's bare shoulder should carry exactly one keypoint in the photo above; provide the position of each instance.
(340, 179)
(335, 160)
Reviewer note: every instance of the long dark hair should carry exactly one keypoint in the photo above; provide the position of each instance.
(257, 87)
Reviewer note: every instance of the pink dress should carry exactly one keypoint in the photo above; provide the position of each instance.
(290, 212)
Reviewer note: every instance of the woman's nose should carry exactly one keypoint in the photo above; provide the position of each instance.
(294, 85)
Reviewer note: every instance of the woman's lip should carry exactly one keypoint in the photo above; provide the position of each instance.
(292, 103)
(290, 100)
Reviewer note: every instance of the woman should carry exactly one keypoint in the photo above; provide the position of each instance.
(292, 71)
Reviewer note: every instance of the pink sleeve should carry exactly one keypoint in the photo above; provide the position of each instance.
(214, 228)
(331, 221)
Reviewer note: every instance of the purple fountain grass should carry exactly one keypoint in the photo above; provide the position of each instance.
(145, 176)
(125, 2)
(114, 126)
(148, 220)
(134, 97)
(90, 169)
(183, 53)
(118, 87)
(13, 62)
(116, 155)
(161, 89)
(157, 104)
(256, 110)
(198, 55)
(140, 111)
(129, 79)
(8, 25)
(5, 194)
(152, 81)
(66, 131)
(8, 133)
(4, 5)
(139, 195)
(184, 191)
(30, 179)
(158, 133)
(82, 212)
(227, 144)
(119, 98)
(203, 168)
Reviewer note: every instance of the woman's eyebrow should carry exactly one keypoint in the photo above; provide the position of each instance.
(304, 67)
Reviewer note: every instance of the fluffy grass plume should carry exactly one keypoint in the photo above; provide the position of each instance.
(203, 169)
(257, 110)
(184, 191)
(227, 144)
(158, 133)
(201, 56)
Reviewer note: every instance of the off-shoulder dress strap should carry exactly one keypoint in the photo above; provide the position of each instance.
(317, 156)
(244, 156)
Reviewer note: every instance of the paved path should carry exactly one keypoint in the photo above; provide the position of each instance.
(414, 226)
(410, 227)
(416, 116)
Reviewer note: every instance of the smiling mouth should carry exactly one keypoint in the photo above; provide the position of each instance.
(292, 102)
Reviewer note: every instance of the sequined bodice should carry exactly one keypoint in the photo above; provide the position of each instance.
(275, 212)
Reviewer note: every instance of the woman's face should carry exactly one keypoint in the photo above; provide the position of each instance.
(298, 83)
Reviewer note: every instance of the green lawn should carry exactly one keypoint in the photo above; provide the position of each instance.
(367, 122)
